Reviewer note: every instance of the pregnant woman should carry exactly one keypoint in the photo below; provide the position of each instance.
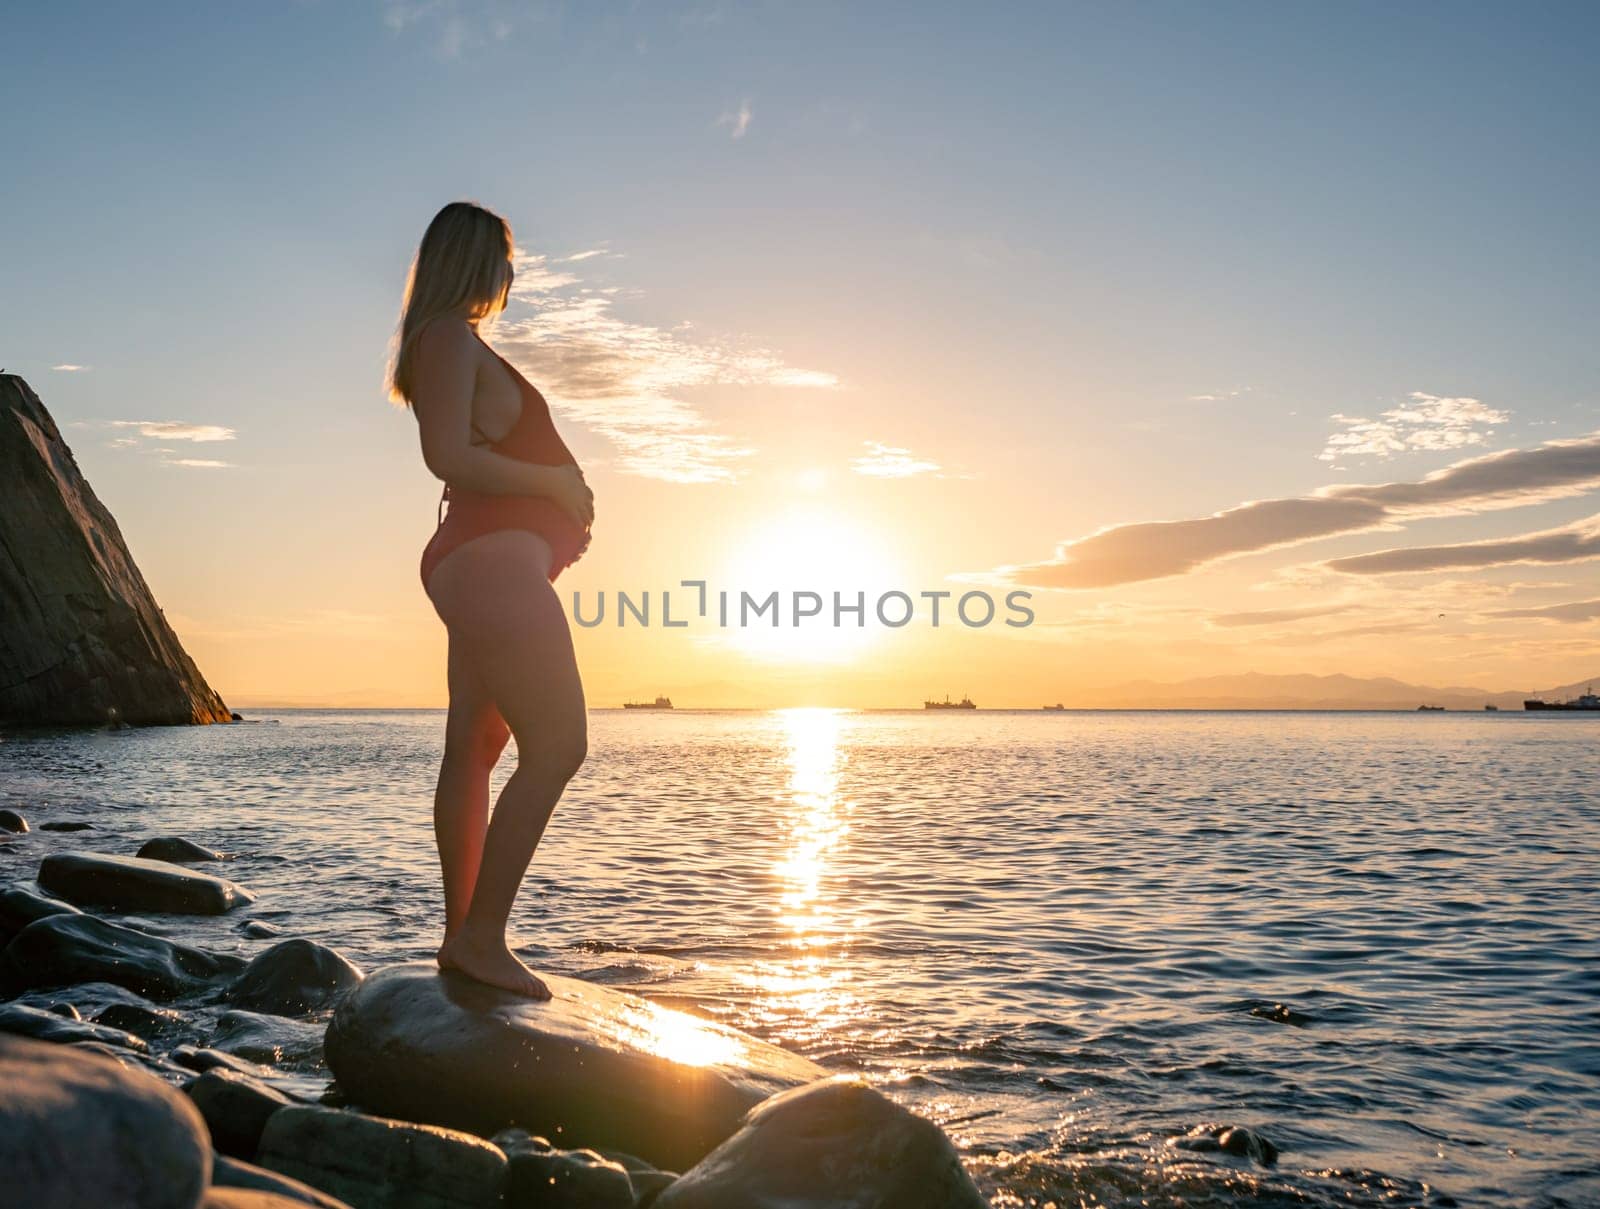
(518, 513)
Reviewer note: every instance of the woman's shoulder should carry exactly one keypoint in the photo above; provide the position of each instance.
(447, 334)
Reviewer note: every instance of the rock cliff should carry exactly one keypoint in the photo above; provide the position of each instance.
(82, 640)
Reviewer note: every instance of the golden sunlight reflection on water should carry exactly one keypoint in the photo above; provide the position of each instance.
(807, 995)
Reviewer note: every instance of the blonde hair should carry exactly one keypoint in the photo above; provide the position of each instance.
(462, 266)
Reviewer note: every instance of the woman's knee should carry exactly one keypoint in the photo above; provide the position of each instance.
(556, 753)
(480, 742)
(572, 752)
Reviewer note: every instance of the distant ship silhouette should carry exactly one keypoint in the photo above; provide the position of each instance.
(658, 703)
(964, 703)
(1586, 701)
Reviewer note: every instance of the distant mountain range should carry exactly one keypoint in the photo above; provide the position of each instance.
(1257, 690)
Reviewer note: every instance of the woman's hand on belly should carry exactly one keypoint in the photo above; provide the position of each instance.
(571, 494)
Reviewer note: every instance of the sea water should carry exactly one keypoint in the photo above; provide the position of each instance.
(1079, 941)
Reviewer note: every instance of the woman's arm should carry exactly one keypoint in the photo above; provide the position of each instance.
(446, 375)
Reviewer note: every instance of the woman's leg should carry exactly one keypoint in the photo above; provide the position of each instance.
(495, 596)
(474, 737)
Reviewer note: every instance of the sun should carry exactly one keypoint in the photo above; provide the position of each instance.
(809, 548)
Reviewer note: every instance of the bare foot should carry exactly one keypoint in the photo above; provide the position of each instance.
(490, 962)
(449, 935)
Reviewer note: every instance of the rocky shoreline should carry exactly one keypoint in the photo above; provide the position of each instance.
(197, 1077)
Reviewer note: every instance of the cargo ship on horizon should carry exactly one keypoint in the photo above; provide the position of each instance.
(964, 703)
(658, 703)
(1585, 701)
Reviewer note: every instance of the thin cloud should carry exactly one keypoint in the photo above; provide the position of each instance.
(197, 463)
(1376, 629)
(1427, 422)
(67, 367)
(176, 430)
(736, 120)
(892, 462)
(1569, 543)
(1121, 554)
(459, 27)
(627, 381)
(1276, 616)
(1571, 611)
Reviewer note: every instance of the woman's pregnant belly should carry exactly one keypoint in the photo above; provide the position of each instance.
(471, 515)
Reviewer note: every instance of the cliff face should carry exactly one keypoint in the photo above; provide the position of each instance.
(82, 641)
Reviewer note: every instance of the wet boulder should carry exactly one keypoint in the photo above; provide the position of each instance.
(1229, 1139)
(127, 883)
(20, 906)
(175, 848)
(248, 1198)
(77, 1130)
(201, 1059)
(833, 1143)
(66, 825)
(293, 978)
(593, 1066)
(236, 1108)
(539, 1174)
(65, 949)
(138, 1061)
(48, 1025)
(144, 1020)
(269, 1040)
(372, 1161)
(229, 1172)
(13, 822)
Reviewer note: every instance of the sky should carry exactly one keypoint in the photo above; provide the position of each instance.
(1242, 337)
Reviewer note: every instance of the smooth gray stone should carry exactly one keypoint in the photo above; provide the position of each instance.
(258, 929)
(236, 1108)
(1230, 1139)
(269, 1040)
(593, 1066)
(93, 996)
(77, 1130)
(374, 1162)
(542, 1175)
(66, 949)
(13, 822)
(177, 849)
(20, 906)
(144, 1020)
(140, 1061)
(229, 1172)
(47, 1025)
(295, 977)
(201, 1059)
(835, 1144)
(648, 1185)
(571, 1179)
(127, 883)
(248, 1198)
